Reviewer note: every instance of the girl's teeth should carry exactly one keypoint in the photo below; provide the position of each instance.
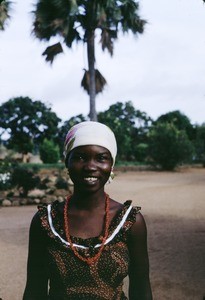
(91, 179)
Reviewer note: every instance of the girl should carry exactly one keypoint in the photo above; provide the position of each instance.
(84, 247)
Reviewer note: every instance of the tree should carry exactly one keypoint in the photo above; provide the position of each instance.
(49, 152)
(168, 146)
(4, 13)
(129, 125)
(70, 123)
(78, 20)
(200, 144)
(179, 120)
(27, 123)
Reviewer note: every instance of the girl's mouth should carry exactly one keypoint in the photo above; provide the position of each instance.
(90, 179)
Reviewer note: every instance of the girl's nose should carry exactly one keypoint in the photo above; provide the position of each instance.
(90, 164)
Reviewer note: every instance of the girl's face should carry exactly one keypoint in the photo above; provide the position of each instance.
(89, 167)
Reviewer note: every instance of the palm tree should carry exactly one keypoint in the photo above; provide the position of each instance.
(4, 16)
(77, 20)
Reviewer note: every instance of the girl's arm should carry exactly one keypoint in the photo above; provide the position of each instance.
(37, 275)
(139, 282)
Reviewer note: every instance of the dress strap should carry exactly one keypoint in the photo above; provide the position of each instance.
(115, 232)
(109, 239)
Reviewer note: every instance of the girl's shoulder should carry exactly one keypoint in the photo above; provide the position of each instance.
(49, 214)
(123, 213)
(116, 207)
(56, 207)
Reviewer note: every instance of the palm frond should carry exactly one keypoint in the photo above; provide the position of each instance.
(56, 17)
(4, 15)
(130, 19)
(52, 51)
(100, 81)
(107, 37)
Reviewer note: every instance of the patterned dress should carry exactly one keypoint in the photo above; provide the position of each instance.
(71, 278)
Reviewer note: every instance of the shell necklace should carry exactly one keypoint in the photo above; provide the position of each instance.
(93, 259)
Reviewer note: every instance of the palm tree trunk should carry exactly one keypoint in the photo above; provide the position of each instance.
(91, 69)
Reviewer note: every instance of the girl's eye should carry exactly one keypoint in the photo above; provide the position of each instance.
(78, 157)
(103, 157)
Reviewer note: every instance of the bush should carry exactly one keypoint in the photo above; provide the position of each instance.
(6, 166)
(141, 152)
(61, 183)
(5, 181)
(24, 179)
(49, 152)
(168, 146)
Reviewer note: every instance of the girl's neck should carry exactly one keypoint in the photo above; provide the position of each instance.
(88, 201)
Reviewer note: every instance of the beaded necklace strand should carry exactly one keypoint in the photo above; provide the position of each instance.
(93, 259)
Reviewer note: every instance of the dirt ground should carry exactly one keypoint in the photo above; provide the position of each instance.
(173, 204)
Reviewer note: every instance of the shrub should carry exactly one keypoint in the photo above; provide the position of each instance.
(49, 152)
(61, 183)
(5, 181)
(6, 166)
(24, 179)
(168, 146)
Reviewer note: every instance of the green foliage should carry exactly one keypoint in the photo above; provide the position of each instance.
(6, 165)
(168, 146)
(30, 124)
(179, 120)
(141, 152)
(27, 123)
(129, 125)
(199, 144)
(71, 122)
(20, 143)
(25, 179)
(49, 152)
(5, 181)
(4, 13)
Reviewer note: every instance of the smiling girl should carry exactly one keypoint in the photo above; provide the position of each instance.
(84, 247)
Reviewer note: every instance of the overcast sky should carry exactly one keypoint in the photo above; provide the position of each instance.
(160, 71)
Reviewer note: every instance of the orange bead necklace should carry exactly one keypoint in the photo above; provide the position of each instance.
(93, 259)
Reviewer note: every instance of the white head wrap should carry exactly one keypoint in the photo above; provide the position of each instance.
(90, 133)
